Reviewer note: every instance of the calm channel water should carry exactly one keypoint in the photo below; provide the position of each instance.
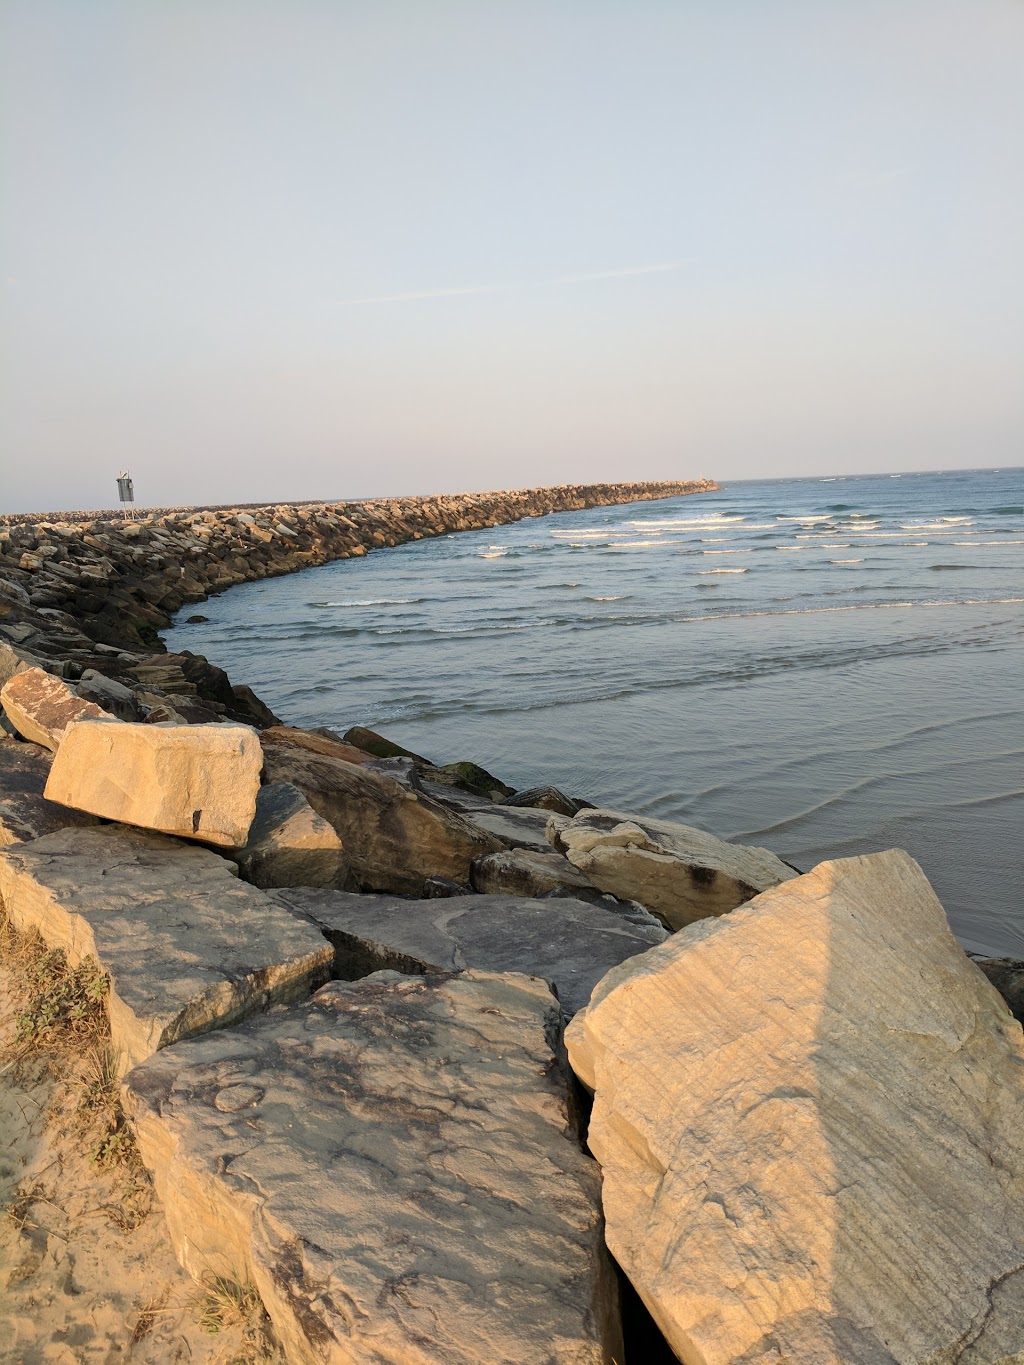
(823, 666)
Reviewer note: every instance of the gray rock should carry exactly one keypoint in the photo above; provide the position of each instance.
(1007, 975)
(515, 827)
(544, 798)
(391, 1165)
(523, 872)
(186, 945)
(109, 694)
(289, 844)
(570, 943)
(24, 812)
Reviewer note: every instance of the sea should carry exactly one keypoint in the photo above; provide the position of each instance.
(824, 666)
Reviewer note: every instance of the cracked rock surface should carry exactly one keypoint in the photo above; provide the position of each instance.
(391, 1164)
(568, 942)
(808, 1117)
(186, 945)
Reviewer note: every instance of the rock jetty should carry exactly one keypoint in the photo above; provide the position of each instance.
(425, 1064)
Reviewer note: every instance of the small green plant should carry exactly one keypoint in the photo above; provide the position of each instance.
(63, 1002)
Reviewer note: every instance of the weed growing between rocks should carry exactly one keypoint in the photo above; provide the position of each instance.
(230, 1304)
(61, 1029)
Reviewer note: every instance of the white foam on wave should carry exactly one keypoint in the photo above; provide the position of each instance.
(739, 550)
(715, 521)
(493, 554)
(702, 572)
(372, 602)
(642, 544)
(620, 598)
(973, 544)
(846, 561)
(823, 516)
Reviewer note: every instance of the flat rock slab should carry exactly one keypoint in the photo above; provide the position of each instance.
(42, 707)
(187, 946)
(570, 943)
(394, 837)
(808, 1117)
(680, 873)
(195, 781)
(289, 844)
(391, 1165)
(24, 813)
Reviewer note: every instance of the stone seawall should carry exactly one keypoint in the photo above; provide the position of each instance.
(77, 579)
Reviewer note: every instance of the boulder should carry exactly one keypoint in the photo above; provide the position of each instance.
(516, 828)
(109, 694)
(376, 746)
(807, 1115)
(522, 872)
(568, 942)
(24, 812)
(186, 945)
(195, 781)
(41, 706)
(470, 777)
(289, 844)
(391, 1165)
(394, 838)
(544, 798)
(679, 873)
(291, 737)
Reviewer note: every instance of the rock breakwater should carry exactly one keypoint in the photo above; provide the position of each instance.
(336, 976)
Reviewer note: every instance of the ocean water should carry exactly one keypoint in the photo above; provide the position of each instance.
(822, 666)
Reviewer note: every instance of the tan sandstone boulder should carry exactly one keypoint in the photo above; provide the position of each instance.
(187, 947)
(808, 1117)
(41, 707)
(196, 781)
(289, 844)
(24, 812)
(394, 837)
(679, 873)
(392, 1165)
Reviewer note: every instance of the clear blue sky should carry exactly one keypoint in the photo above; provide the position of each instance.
(278, 250)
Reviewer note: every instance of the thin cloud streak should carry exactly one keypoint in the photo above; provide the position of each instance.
(419, 295)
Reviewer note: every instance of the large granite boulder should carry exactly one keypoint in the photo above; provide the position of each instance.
(195, 781)
(391, 1164)
(808, 1117)
(24, 812)
(568, 942)
(394, 837)
(289, 844)
(42, 707)
(187, 946)
(679, 873)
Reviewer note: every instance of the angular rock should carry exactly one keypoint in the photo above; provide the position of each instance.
(568, 942)
(369, 742)
(394, 838)
(807, 1114)
(291, 737)
(544, 798)
(289, 844)
(391, 1165)
(521, 872)
(470, 777)
(515, 827)
(109, 694)
(24, 813)
(196, 781)
(42, 707)
(186, 945)
(679, 873)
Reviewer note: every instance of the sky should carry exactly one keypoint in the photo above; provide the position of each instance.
(325, 249)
